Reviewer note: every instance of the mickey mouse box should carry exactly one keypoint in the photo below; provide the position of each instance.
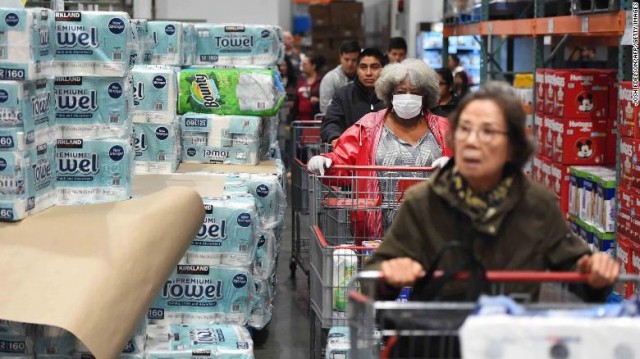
(577, 141)
(583, 94)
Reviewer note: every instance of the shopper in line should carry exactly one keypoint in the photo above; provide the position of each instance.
(341, 75)
(461, 84)
(291, 52)
(406, 133)
(355, 100)
(482, 202)
(397, 51)
(454, 64)
(307, 100)
(448, 100)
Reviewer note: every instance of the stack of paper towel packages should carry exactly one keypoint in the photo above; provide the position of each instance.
(94, 96)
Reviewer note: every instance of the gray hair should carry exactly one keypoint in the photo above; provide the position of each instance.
(422, 77)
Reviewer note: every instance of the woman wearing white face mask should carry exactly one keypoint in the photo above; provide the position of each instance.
(406, 133)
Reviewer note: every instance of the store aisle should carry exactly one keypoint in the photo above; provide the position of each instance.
(287, 335)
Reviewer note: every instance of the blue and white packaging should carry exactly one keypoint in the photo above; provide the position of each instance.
(228, 234)
(264, 264)
(155, 93)
(221, 139)
(188, 44)
(167, 42)
(203, 341)
(145, 45)
(17, 339)
(338, 343)
(196, 294)
(41, 188)
(262, 309)
(92, 43)
(26, 114)
(269, 197)
(26, 43)
(236, 44)
(93, 171)
(53, 340)
(157, 147)
(93, 107)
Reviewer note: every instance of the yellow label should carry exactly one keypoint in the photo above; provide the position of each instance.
(24, 2)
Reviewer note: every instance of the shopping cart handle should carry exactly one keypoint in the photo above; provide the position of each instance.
(382, 168)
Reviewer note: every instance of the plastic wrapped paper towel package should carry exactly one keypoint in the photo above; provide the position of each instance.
(198, 294)
(27, 183)
(230, 91)
(338, 343)
(93, 171)
(221, 139)
(157, 147)
(167, 42)
(262, 309)
(237, 44)
(195, 341)
(26, 114)
(93, 107)
(155, 92)
(93, 43)
(189, 44)
(26, 43)
(145, 44)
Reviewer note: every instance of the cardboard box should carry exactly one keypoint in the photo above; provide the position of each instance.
(547, 150)
(577, 142)
(552, 82)
(540, 132)
(346, 13)
(624, 254)
(582, 94)
(629, 116)
(545, 179)
(540, 89)
(536, 174)
(320, 15)
(628, 224)
(560, 178)
(629, 165)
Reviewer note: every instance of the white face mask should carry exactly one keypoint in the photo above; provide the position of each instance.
(407, 106)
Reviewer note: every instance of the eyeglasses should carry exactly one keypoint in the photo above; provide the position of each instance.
(485, 135)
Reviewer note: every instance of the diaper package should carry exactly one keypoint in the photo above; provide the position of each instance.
(93, 171)
(17, 339)
(93, 107)
(204, 340)
(93, 43)
(167, 42)
(145, 46)
(198, 294)
(338, 343)
(228, 235)
(27, 184)
(157, 147)
(262, 309)
(221, 139)
(237, 44)
(592, 196)
(155, 93)
(230, 91)
(26, 43)
(26, 114)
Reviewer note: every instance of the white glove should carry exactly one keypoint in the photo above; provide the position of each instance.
(317, 164)
(440, 162)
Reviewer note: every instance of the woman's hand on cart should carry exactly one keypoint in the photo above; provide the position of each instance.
(401, 272)
(602, 269)
(317, 164)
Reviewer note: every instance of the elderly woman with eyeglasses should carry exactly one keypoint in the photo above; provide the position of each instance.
(482, 201)
(405, 133)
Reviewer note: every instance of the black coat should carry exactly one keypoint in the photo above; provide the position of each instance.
(349, 104)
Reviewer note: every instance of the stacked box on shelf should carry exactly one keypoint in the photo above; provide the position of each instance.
(332, 24)
(156, 125)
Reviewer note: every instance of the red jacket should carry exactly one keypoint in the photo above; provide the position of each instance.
(357, 146)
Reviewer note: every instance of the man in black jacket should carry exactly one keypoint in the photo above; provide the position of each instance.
(356, 99)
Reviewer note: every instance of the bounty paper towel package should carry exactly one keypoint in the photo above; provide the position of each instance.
(92, 43)
(338, 343)
(196, 294)
(157, 147)
(230, 91)
(93, 107)
(26, 43)
(93, 171)
(220, 139)
(17, 339)
(26, 114)
(228, 234)
(236, 44)
(155, 93)
(166, 41)
(203, 341)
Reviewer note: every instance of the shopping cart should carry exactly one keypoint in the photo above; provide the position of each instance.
(344, 212)
(431, 329)
(306, 143)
